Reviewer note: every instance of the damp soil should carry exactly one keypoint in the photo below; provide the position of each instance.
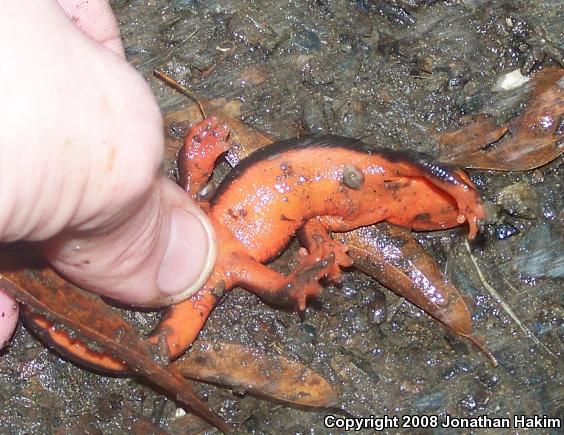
(395, 74)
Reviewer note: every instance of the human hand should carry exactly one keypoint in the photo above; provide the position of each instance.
(81, 143)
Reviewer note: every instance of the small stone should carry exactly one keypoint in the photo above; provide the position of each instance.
(510, 81)
(537, 177)
(519, 200)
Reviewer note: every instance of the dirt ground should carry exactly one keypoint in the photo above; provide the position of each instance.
(395, 74)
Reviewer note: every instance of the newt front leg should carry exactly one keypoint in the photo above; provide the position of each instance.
(203, 144)
(235, 267)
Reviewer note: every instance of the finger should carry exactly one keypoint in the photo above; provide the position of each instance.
(96, 19)
(8, 318)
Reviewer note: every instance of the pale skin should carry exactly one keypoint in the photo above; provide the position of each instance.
(80, 145)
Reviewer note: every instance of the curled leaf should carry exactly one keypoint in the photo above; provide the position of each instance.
(393, 257)
(530, 140)
(50, 302)
(271, 376)
(475, 135)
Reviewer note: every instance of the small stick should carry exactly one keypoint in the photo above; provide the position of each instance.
(480, 344)
(394, 310)
(497, 297)
(176, 47)
(174, 84)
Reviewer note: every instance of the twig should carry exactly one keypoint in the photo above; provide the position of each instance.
(394, 309)
(174, 84)
(177, 46)
(497, 297)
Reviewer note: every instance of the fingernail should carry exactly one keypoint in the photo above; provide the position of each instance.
(189, 255)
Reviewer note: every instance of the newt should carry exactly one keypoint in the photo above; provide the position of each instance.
(309, 187)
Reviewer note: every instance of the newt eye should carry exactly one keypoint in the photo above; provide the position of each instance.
(353, 177)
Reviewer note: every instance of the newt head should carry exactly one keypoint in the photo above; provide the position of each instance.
(470, 204)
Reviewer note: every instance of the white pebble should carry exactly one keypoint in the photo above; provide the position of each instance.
(509, 81)
(179, 413)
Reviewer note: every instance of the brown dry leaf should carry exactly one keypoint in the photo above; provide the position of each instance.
(271, 376)
(528, 141)
(253, 75)
(45, 294)
(476, 134)
(393, 257)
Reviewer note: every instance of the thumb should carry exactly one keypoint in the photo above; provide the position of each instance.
(157, 251)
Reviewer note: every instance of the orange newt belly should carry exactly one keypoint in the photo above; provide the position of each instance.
(265, 201)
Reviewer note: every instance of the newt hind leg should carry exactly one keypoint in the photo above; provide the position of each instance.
(184, 321)
(315, 238)
(322, 258)
(203, 144)
(292, 290)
